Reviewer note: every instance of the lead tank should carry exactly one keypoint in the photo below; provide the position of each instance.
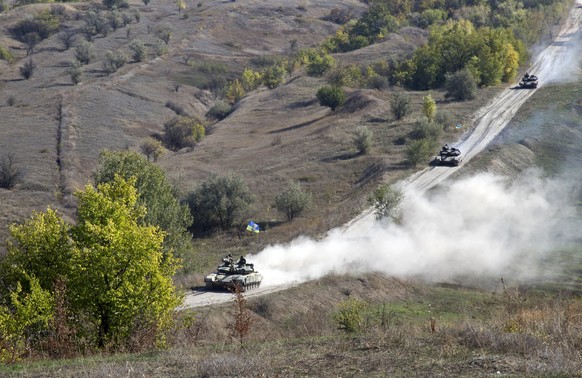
(528, 81)
(229, 275)
(450, 156)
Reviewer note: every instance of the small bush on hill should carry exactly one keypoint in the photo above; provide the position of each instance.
(293, 201)
(114, 60)
(362, 139)
(181, 132)
(85, 52)
(331, 97)
(400, 105)
(139, 49)
(419, 151)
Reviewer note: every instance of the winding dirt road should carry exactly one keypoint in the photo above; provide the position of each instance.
(488, 122)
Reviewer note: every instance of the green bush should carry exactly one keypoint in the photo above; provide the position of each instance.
(181, 132)
(85, 52)
(114, 60)
(419, 151)
(292, 201)
(350, 315)
(319, 62)
(331, 97)
(139, 49)
(426, 129)
(460, 86)
(219, 201)
(400, 105)
(362, 139)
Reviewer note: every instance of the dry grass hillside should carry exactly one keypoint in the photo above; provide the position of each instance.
(56, 130)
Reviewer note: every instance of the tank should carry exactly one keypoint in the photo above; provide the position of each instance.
(229, 275)
(528, 81)
(450, 156)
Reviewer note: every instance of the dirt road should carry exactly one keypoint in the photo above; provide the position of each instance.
(487, 124)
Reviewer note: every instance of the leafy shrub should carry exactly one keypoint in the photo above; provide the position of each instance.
(426, 129)
(95, 24)
(400, 105)
(85, 52)
(362, 139)
(429, 107)
(220, 110)
(460, 86)
(182, 132)
(151, 148)
(114, 61)
(331, 97)
(349, 315)
(292, 201)
(319, 63)
(219, 201)
(419, 150)
(139, 49)
(343, 76)
(273, 76)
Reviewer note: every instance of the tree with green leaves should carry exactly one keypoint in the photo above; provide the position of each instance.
(121, 277)
(181, 132)
(419, 151)
(22, 320)
(156, 194)
(400, 105)
(330, 96)
(118, 278)
(461, 85)
(219, 201)
(429, 107)
(292, 201)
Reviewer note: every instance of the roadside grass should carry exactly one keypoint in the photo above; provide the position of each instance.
(476, 334)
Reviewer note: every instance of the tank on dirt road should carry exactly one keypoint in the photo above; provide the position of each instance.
(528, 81)
(229, 275)
(450, 156)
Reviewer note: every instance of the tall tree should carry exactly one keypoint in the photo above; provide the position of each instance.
(155, 193)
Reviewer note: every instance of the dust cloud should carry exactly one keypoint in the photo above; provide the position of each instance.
(484, 225)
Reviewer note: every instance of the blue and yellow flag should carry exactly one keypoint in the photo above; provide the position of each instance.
(253, 227)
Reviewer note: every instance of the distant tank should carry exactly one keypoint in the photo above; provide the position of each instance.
(229, 275)
(528, 81)
(448, 156)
